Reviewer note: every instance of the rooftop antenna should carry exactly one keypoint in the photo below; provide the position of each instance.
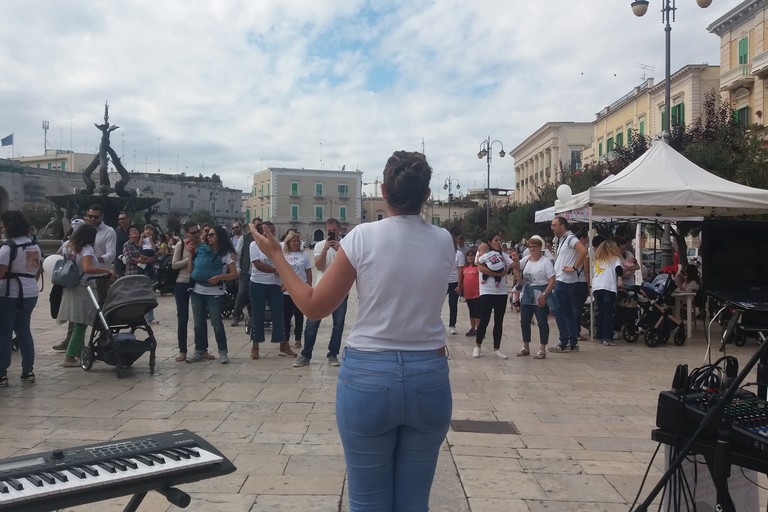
(644, 67)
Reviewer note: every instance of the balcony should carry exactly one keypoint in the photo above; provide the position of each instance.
(760, 65)
(740, 76)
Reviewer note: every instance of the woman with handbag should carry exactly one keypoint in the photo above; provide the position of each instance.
(20, 266)
(76, 306)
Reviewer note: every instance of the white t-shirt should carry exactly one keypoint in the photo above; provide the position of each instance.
(604, 274)
(27, 262)
(489, 286)
(215, 290)
(537, 273)
(566, 257)
(299, 262)
(257, 276)
(626, 256)
(400, 301)
(461, 260)
(328, 258)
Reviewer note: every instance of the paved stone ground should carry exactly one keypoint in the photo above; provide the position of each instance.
(584, 419)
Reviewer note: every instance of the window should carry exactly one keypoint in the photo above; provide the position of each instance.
(575, 159)
(268, 184)
(664, 125)
(168, 204)
(619, 139)
(294, 189)
(742, 117)
(50, 166)
(343, 213)
(261, 190)
(678, 114)
(294, 212)
(743, 50)
(191, 205)
(319, 190)
(63, 165)
(343, 190)
(600, 149)
(642, 128)
(380, 216)
(435, 220)
(610, 144)
(319, 213)
(629, 133)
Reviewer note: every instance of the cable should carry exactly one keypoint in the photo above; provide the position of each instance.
(645, 477)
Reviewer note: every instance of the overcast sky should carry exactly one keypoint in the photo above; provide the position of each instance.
(233, 87)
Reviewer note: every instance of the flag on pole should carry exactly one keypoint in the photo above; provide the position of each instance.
(7, 141)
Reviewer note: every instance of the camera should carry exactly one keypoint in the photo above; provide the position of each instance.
(332, 235)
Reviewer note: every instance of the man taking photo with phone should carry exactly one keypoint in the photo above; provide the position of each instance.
(325, 251)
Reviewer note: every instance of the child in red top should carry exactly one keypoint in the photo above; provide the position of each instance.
(470, 286)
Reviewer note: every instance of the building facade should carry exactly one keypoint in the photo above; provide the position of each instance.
(743, 33)
(538, 158)
(305, 198)
(58, 160)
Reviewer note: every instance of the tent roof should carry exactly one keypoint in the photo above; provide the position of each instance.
(663, 183)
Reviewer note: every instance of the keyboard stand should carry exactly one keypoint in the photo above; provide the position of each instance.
(173, 495)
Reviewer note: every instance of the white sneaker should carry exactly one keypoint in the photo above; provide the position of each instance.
(476, 352)
(498, 354)
(453, 330)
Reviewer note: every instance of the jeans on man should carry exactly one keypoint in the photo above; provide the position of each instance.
(181, 293)
(393, 410)
(17, 320)
(260, 295)
(212, 304)
(565, 314)
(310, 332)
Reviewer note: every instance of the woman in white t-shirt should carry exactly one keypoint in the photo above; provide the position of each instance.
(538, 276)
(212, 263)
(493, 293)
(393, 394)
(607, 272)
(302, 266)
(18, 293)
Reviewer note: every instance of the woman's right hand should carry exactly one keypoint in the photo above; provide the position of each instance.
(267, 243)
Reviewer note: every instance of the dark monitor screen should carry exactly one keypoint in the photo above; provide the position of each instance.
(734, 255)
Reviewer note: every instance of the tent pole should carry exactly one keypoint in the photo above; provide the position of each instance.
(591, 256)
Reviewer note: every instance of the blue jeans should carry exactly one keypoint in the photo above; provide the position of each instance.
(527, 311)
(260, 295)
(181, 293)
(16, 320)
(565, 314)
(212, 304)
(310, 332)
(393, 410)
(605, 301)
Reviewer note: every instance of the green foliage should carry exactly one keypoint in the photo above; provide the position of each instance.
(38, 215)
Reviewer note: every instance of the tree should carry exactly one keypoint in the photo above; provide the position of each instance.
(37, 215)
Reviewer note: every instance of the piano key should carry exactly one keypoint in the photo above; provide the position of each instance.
(61, 477)
(118, 464)
(3, 488)
(88, 469)
(79, 473)
(46, 478)
(170, 454)
(155, 458)
(180, 452)
(131, 464)
(106, 466)
(144, 460)
(15, 484)
(34, 480)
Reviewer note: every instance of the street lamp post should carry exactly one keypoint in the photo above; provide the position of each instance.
(639, 8)
(448, 186)
(485, 152)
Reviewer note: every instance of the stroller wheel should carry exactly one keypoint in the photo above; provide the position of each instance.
(630, 333)
(664, 336)
(680, 335)
(652, 337)
(739, 339)
(86, 358)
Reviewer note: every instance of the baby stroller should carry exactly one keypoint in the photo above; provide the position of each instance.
(128, 300)
(626, 315)
(230, 287)
(267, 318)
(656, 319)
(166, 276)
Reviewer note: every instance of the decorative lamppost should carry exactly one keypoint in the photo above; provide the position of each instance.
(485, 152)
(639, 8)
(448, 186)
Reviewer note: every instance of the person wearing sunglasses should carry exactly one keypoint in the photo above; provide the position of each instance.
(105, 247)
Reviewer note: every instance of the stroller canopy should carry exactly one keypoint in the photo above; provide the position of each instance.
(130, 290)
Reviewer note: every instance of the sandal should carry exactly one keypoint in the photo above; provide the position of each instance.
(181, 357)
(540, 355)
(523, 352)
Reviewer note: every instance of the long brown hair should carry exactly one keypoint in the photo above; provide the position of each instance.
(607, 251)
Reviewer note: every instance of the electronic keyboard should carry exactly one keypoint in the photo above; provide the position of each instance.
(86, 474)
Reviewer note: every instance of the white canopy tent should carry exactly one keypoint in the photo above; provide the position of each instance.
(547, 214)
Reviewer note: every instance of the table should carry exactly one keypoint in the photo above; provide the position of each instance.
(688, 297)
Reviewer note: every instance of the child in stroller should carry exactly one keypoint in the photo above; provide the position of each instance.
(129, 299)
(656, 319)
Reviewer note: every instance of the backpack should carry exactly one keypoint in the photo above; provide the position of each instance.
(16, 275)
(65, 273)
(205, 265)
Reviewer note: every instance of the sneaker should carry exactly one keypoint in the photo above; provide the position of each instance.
(476, 352)
(609, 343)
(498, 354)
(575, 348)
(301, 361)
(334, 361)
(223, 358)
(453, 330)
(28, 377)
(4, 381)
(558, 348)
(195, 358)
(61, 346)
(471, 332)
